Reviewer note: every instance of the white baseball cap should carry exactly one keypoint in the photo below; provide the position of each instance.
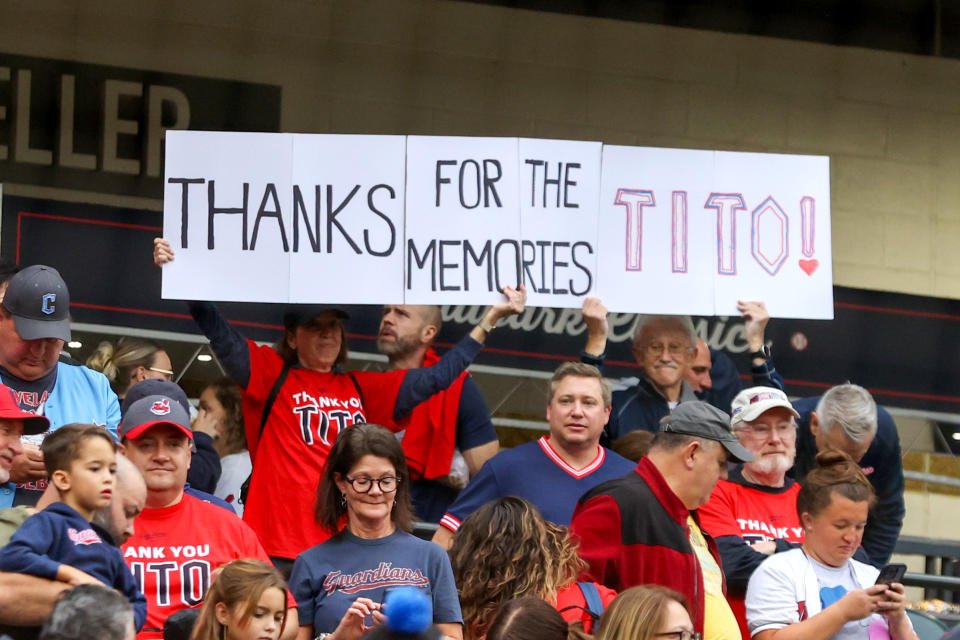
(751, 403)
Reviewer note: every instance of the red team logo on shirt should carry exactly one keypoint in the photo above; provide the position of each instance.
(333, 415)
(87, 536)
(383, 576)
(161, 407)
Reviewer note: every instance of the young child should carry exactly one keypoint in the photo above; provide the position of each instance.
(59, 543)
(247, 600)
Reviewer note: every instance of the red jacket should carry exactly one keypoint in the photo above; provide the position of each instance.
(633, 531)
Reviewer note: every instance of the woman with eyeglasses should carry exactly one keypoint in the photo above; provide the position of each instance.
(297, 396)
(130, 361)
(647, 613)
(819, 591)
(505, 550)
(364, 501)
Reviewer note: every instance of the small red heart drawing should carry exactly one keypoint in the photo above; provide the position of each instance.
(809, 266)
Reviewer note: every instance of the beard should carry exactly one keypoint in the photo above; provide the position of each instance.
(399, 347)
(779, 463)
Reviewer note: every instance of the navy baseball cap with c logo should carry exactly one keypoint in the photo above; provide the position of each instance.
(38, 299)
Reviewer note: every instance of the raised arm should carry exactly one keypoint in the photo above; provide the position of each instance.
(755, 318)
(227, 343)
(420, 384)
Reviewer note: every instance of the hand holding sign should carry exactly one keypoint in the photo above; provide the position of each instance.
(515, 302)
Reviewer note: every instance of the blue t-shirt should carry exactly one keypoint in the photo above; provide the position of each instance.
(536, 473)
(327, 578)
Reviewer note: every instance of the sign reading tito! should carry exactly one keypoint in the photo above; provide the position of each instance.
(99, 128)
(452, 220)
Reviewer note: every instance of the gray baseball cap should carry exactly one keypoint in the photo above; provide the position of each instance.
(38, 299)
(151, 411)
(703, 420)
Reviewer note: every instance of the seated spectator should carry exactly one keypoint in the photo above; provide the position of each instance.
(86, 607)
(130, 361)
(752, 514)
(297, 398)
(221, 417)
(451, 431)
(505, 550)
(248, 599)
(554, 471)
(645, 613)
(341, 582)
(58, 543)
(527, 619)
(643, 528)
(819, 591)
(847, 418)
(180, 540)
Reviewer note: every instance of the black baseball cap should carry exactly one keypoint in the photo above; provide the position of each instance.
(703, 420)
(151, 411)
(299, 316)
(38, 299)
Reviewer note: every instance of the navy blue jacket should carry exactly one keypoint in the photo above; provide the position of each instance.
(883, 467)
(642, 406)
(59, 535)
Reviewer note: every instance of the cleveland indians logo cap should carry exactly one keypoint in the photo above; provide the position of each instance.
(151, 411)
(38, 299)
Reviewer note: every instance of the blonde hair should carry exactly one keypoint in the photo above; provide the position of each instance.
(237, 583)
(637, 613)
(118, 362)
(505, 550)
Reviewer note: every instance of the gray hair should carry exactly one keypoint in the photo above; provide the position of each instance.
(683, 324)
(86, 607)
(850, 406)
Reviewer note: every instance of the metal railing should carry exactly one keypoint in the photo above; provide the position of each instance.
(941, 566)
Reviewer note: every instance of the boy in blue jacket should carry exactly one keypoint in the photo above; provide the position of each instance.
(59, 543)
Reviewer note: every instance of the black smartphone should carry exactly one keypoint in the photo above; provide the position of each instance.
(892, 573)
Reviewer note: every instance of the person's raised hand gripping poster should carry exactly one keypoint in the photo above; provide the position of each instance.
(559, 187)
(227, 208)
(462, 220)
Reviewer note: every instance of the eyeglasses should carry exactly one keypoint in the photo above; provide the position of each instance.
(363, 485)
(683, 634)
(763, 432)
(675, 349)
(166, 373)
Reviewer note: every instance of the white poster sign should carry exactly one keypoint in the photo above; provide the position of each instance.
(347, 238)
(451, 220)
(654, 243)
(227, 203)
(559, 191)
(462, 219)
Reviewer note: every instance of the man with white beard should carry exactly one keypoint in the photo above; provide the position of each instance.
(753, 513)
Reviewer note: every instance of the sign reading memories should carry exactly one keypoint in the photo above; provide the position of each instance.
(452, 220)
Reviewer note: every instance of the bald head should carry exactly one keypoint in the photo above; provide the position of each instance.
(407, 331)
(129, 498)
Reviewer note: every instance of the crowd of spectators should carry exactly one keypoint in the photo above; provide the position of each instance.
(284, 508)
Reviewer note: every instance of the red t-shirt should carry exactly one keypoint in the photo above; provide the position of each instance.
(308, 413)
(755, 516)
(175, 550)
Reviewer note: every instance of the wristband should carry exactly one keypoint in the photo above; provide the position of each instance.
(487, 326)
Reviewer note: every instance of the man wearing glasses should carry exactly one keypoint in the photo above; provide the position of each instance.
(664, 347)
(34, 325)
(753, 513)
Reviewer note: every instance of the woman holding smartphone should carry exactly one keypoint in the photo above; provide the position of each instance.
(819, 591)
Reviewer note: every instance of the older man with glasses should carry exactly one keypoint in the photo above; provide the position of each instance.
(753, 513)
